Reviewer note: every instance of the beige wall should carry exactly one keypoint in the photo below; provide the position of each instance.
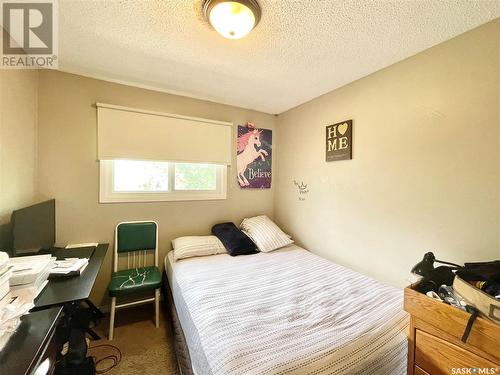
(425, 173)
(18, 113)
(68, 170)
(424, 176)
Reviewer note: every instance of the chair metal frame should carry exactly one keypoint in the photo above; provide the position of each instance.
(155, 299)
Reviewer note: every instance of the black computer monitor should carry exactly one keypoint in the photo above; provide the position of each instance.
(34, 228)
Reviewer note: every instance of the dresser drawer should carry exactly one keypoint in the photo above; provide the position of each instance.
(484, 336)
(437, 356)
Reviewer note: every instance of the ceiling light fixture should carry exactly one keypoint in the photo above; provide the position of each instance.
(232, 19)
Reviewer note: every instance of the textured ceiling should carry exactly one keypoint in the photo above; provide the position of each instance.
(300, 49)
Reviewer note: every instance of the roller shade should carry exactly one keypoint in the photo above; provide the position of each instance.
(129, 133)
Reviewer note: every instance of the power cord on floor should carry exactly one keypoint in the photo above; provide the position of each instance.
(112, 357)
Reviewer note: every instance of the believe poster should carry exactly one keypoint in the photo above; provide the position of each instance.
(254, 157)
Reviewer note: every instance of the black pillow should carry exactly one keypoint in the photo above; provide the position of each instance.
(234, 240)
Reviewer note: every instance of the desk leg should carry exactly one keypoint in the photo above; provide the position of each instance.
(92, 334)
(94, 308)
(97, 314)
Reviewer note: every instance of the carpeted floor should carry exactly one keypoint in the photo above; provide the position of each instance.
(145, 349)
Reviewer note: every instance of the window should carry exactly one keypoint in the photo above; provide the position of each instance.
(134, 176)
(151, 181)
(195, 177)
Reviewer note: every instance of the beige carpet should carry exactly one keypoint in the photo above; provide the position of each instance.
(145, 349)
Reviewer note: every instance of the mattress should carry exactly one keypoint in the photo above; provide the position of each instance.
(286, 312)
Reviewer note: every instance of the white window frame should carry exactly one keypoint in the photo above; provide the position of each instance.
(108, 195)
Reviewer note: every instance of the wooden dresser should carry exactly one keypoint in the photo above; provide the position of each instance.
(435, 345)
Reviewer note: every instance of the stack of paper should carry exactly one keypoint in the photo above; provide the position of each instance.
(29, 275)
(5, 274)
(10, 318)
(69, 267)
(11, 308)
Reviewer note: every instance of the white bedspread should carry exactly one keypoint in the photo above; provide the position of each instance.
(287, 312)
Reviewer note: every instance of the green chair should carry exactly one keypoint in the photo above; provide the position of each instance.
(135, 238)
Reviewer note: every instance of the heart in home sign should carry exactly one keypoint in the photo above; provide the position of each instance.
(339, 141)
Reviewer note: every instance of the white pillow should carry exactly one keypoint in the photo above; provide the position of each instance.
(265, 234)
(196, 246)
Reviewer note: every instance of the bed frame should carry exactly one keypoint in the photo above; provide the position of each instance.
(180, 345)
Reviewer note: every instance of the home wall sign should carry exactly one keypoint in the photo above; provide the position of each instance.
(339, 141)
(254, 157)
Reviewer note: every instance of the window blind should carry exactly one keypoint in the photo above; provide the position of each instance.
(129, 133)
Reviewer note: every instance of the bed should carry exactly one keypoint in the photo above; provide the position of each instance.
(285, 312)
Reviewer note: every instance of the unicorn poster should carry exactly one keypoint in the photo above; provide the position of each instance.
(254, 153)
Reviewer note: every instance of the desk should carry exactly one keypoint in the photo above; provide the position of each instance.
(30, 345)
(33, 341)
(70, 289)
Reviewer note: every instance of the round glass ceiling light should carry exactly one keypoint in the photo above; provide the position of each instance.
(232, 19)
